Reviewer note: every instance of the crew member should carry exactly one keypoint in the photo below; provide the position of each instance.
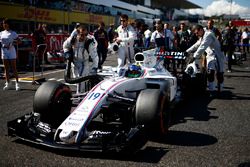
(125, 40)
(82, 46)
(215, 58)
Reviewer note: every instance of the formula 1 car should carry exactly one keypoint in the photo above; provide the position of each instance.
(111, 115)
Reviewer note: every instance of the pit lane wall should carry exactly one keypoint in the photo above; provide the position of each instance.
(28, 47)
(58, 17)
(30, 13)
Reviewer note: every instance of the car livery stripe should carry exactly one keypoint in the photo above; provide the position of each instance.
(86, 109)
(101, 99)
(79, 135)
(92, 90)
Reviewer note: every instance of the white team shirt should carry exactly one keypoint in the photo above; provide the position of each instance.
(7, 38)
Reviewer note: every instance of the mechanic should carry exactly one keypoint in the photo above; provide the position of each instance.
(125, 40)
(160, 38)
(80, 48)
(215, 58)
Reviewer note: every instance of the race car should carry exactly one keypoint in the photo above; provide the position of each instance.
(117, 110)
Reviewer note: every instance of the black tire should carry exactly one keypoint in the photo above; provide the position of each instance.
(194, 86)
(201, 80)
(53, 101)
(186, 85)
(151, 110)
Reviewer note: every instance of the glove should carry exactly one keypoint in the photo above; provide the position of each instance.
(68, 56)
(192, 59)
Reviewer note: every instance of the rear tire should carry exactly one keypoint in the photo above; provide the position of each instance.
(53, 101)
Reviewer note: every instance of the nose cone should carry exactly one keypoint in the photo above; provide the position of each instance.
(67, 136)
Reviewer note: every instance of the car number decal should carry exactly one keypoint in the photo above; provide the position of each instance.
(86, 109)
(94, 96)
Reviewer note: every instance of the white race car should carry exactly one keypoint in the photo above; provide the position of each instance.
(112, 114)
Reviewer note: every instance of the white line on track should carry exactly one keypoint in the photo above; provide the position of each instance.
(46, 73)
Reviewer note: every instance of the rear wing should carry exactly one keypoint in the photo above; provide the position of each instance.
(173, 61)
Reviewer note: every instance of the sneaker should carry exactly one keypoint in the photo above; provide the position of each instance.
(7, 86)
(17, 87)
(229, 71)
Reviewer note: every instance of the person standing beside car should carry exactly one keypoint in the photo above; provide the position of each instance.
(169, 37)
(8, 53)
(110, 33)
(39, 36)
(101, 37)
(184, 37)
(210, 27)
(80, 48)
(158, 36)
(125, 40)
(245, 40)
(215, 58)
(228, 47)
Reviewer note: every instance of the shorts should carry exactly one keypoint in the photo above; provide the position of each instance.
(8, 53)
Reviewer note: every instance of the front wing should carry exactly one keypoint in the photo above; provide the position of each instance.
(43, 134)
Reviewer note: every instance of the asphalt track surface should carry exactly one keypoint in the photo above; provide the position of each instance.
(206, 131)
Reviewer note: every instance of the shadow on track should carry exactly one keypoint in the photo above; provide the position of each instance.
(148, 154)
(182, 138)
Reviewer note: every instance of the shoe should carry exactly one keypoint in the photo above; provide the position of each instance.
(7, 86)
(229, 71)
(99, 70)
(18, 87)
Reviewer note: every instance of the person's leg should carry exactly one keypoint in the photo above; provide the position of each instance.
(76, 74)
(6, 69)
(130, 54)
(6, 73)
(210, 78)
(121, 57)
(244, 45)
(229, 60)
(220, 80)
(104, 56)
(247, 42)
(83, 71)
(99, 53)
(14, 68)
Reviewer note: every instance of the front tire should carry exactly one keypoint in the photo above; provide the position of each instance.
(53, 101)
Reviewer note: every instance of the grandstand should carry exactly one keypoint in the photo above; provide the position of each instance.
(61, 15)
